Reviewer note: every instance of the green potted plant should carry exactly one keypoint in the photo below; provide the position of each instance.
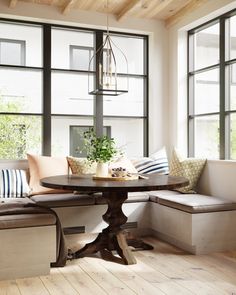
(100, 150)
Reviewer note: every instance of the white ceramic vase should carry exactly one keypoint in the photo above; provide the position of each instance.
(102, 169)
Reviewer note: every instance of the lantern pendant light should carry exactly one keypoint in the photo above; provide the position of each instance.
(107, 81)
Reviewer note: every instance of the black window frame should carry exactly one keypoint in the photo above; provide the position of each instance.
(47, 70)
(224, 120)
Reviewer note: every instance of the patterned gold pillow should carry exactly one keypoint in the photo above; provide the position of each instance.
(190, 168)
(81, 166)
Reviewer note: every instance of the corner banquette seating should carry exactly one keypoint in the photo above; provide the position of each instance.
(198, 223)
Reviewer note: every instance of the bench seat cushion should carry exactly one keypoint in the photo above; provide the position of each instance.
(63, 200)
(196, 203)
(26, 220)
(25, 200)
(153, 195)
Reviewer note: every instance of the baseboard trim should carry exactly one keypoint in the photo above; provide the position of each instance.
(173, 241)
(24, 271)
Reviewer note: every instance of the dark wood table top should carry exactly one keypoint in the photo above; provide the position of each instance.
(155, 181)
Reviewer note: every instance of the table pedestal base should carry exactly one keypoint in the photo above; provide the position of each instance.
(113, 237)
(138, 244)
(109, 242)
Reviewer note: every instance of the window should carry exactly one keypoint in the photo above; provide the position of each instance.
(80, 57)
(21, 80)
(12, 52)
(212, 89)
(72, 50)
(48, 94)
(76, 140)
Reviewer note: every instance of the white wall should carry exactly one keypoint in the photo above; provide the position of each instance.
(177, 107)
(158, 53)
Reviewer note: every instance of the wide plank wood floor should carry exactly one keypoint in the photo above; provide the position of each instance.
(164, 270)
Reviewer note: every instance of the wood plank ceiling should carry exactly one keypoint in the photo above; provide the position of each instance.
(171, 11)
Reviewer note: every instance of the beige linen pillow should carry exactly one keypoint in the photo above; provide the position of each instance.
(42, 166)
(81, 166)
(190, 168)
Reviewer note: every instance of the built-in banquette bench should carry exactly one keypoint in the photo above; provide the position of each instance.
(199, 223)
(28, 241)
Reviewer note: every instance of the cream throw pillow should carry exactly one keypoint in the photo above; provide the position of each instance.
(81, 166)
(42, 166)
(190, 168)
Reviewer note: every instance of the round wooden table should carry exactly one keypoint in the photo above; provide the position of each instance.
(115, 194)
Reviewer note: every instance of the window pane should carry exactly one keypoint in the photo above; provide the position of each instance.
(12, 53)
(77, 141)
(232, 83)
(233, 136)
(207, 47)
(128, 134)
(128, 104)
(80, 58)
(19, 135)
(70, 94)
(133, 48)
(233, 37)
(30, 50)
(63, 41)
(206, 92)
(20, 91)
(61, 134)
(207, 137)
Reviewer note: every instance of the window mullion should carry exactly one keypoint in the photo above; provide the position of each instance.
(98, 111)
(46, 91)
(146, 102)
(227, 67)
(222, 90)
(190, 106)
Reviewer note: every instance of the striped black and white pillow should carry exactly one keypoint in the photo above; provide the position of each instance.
(148, 166)
(156, 163)
(13, 183)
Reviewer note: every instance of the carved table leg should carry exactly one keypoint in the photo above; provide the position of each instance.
(112, 237)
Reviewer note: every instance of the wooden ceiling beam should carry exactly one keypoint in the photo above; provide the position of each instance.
(194, 4)
(126, 9)
(68, 6)
(159, 8)
(13, 3)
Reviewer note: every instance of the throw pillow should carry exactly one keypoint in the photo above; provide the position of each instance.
(42, 166)
(81, 166)
(13, 183)
(190, 168)
(156, 163)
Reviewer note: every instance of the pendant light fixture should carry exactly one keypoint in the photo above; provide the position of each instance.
(107, 82)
